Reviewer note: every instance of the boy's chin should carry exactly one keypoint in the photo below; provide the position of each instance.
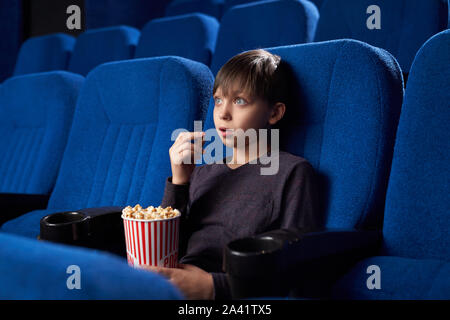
(228, 141)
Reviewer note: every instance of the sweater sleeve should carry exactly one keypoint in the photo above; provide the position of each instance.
(176, 196)
(300, 199)
(222, 289)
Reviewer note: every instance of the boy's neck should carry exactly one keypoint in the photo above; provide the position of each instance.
(241, 157)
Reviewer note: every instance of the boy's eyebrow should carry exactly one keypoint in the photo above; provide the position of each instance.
(238, 92)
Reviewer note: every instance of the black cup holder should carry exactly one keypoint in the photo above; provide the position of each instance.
(92, 228)
(65, 227)
(63, 218)
(247, 263)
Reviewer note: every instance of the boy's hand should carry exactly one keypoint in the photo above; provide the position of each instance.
(192, 281)
(183, 155)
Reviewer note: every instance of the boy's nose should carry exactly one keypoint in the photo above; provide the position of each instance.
(225, 113)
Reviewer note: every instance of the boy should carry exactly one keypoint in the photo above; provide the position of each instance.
(224, 201)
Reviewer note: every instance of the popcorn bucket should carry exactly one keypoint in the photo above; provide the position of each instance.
(152, 242)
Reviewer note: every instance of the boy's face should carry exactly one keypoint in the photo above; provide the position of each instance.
(239, 110)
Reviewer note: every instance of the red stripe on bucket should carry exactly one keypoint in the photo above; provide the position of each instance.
(144, 245)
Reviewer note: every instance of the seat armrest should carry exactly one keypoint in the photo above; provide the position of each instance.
(308, 262)
(97, 228)
(101, 211)
(315, 260)
(16, 204)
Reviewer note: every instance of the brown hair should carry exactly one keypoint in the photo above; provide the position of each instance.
(259, 72)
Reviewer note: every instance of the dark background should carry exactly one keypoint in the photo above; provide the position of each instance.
(49, 16)
(22, 19)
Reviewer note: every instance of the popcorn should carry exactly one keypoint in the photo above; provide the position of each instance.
(150, 213)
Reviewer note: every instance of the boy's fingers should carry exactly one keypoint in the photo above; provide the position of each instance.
(183, 146)
(188, 136)
(167, 272)
(189, 149)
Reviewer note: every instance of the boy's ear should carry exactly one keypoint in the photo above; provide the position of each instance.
(278, 111)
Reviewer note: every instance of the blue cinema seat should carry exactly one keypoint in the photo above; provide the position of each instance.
(97, 46)
(40, 270)
(117, 152)
(192, 36)
(405, 24)
(414, 259)
(210, 7)
(36, 113)
(263, 27)
(36, 116)
(227, 4)
(44, 53)
(318, 3)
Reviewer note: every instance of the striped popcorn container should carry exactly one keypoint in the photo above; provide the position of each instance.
(152, 242)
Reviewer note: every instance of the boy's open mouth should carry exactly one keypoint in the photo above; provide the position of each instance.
(225, 131)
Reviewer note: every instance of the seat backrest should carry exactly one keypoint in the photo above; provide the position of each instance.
(318, 3)
(210, 7)
(192, 36)
(231, 3)
(417, 213)
(44, 53)
(118, 148)
(97, 46)
(31, 269)
(36, 113)
(343, 121)
(404, 24)
(258, 25)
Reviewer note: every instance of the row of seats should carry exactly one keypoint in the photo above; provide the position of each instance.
(97, 46)
(405, 22)
(406, 25)
(126, 112)
(215, 8)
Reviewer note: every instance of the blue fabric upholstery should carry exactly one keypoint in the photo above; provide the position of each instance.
(231, 3)
(44, 53)
(35, 118)
(400, 278)
(405, 24)
(97, 46)
(318, 3)
(31, 269)
(135, 13)
(418, 202)
(117, 153)
(350, 95)
(192, 36)
(297, 26)
(417, 213)
(210, 7)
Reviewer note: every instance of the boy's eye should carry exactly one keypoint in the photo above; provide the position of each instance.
(217, 100)
(240, 101)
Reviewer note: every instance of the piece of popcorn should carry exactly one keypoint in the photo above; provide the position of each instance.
(138, 215)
